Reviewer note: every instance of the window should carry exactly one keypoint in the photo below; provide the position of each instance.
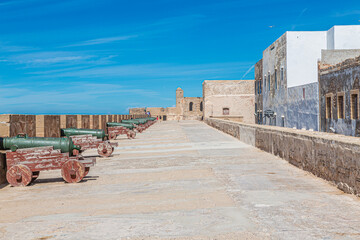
(354, 105)
(226, 111)
(340, 105)
(256, 87)
(328, 107)
(265, 82)
(282, 75)
(275, 79)
(269, 77)
(304, 93)
(260, 86)
(201, 106)
(190, 106)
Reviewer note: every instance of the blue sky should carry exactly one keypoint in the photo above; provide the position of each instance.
(102, 57)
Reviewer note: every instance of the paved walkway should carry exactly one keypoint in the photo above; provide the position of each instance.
(181, 181)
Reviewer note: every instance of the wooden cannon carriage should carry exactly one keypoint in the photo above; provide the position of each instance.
(104, 148)
(24, 165)
(115, 131)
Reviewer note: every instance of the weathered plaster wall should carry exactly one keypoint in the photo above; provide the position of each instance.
(275, 58)
(335, 79)
(258, 92)
(237, 95)
(332, 57)
(303, 111)
(333, 157)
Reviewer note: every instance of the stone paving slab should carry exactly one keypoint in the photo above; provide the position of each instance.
(181, 180)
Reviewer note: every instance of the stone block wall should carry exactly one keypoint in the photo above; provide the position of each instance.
(335, 158)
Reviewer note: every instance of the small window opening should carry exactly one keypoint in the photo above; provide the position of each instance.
(190, 106)
(226, 111)
(303, 93)
(328, 107)
(354, 106)
(265, 82)
(340, 107)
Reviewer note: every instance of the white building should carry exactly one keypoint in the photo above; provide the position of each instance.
(290, 74)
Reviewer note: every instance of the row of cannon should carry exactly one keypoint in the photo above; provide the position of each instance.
(27, 156)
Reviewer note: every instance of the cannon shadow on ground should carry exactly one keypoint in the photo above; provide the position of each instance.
(60, 179)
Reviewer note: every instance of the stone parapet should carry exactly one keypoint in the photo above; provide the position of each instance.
(333, 157)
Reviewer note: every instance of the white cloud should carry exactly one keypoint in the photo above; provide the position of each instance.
(98, 41)
(35, 59)
(158, 71)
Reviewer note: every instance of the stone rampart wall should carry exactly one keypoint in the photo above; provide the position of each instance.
(335, 158)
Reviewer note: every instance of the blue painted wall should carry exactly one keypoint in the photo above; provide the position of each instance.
(303, 107)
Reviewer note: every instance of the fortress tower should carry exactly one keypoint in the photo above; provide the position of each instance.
(179, 97)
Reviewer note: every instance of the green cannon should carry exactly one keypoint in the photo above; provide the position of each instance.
(115, 129)
(139, 124)
(23, 141)
(135, 121)
(99, 133)
(115, 124)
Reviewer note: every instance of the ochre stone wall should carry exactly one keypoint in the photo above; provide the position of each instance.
(196, 112)
(181, 111)
(335, 158)
(238, 96)
(137, 111)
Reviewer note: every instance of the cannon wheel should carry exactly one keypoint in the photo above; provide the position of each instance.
(105, 149)
(87, 170)
(19, 175)
(132, 134)
(73, 171)
(35, 175)
(128, 134)
(112, 136)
